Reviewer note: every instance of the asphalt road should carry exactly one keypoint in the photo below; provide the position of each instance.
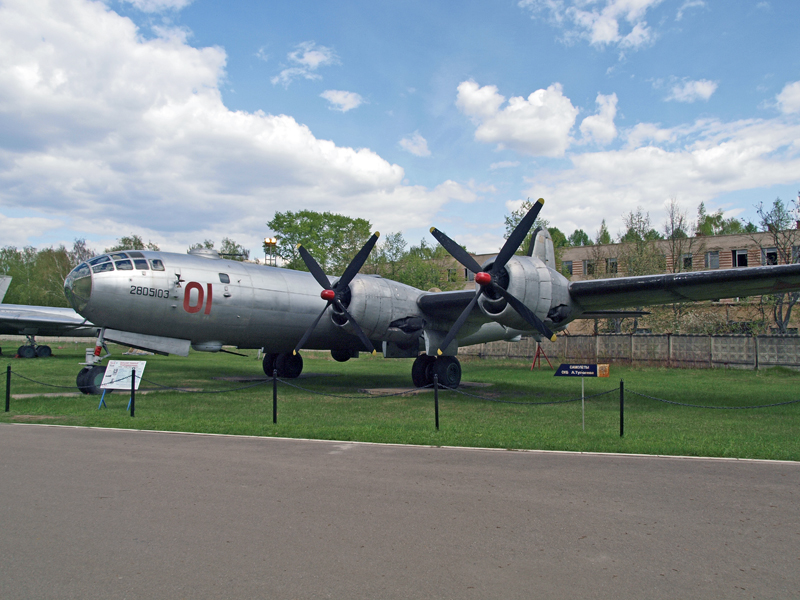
(93, 513)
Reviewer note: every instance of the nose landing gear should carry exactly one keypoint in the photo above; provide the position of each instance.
(446, 368)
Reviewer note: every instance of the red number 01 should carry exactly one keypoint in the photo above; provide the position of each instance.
(187, 298)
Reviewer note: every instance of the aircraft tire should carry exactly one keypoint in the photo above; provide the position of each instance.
(92, 380)
(268, 364)
(289, 365)
(422, 371)
(43, 351)
(341, 355)
(448, 370)
(26, 352)
(80, 380)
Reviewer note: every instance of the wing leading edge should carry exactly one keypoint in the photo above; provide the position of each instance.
(622, 292)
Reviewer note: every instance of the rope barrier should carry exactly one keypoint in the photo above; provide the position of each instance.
(159, 386)
(713, 407)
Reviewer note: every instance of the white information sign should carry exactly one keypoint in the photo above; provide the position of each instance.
(118, 374)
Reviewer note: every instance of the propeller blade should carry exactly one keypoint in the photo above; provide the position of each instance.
(362, 336)
(462, 318)
(526, 313)
(308, 332)
(358, 261)
(517, 236)
(456, 251)
(314, 267)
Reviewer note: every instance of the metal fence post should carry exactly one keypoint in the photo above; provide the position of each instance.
(133, 391)
(274, 396)
(621, 407)
(8, 388)
(436, 399)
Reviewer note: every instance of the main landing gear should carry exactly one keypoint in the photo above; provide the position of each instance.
(31, 350)
(446, 368)
(289, 365)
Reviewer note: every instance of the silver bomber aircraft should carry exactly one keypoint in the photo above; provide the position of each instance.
(168, 303)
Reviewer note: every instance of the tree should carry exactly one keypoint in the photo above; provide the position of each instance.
(639, 254)
(387, 255)
(603, 236)
(780, 222)
(425, 267)
(204, 245)
(580, 238)
(680, 238)
(333, 240)
(132, 242)
(717, 224)
(230, 249)
(512, 220)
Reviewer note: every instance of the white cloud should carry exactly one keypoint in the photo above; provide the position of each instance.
(504, 164)
(342, 101)
(600, 127)
(108, 133)
(159, 5)
(307, 57)
(539, 125)
(415, 144)
(696, 162)
(789, 98)
(687, 5)
(618, 23)
(691, 91)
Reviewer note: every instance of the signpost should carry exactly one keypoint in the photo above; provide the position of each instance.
(582, 370)
(118, 377)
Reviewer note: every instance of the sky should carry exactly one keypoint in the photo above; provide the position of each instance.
(187, 120)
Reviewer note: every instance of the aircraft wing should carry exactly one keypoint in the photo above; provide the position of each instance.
(20, 319)
(621, 292)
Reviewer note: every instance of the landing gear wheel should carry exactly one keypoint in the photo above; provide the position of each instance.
(341, 355)
(26, 352)
(448, 371)
(43, 351)
(269, 364)
(289, 365)
(421, 370)
(80, 380)
(90, 378)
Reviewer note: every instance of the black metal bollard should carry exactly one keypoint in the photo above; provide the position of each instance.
(274, 396)
(133, 391)
(8, 388)
(621, 407)
(436, 399)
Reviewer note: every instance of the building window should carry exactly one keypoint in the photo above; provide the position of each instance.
(611, 265)
(739, 258)
(712, 259)
(686, 262)
(451, 275)
(566, 267)
(769, 256)
(795, 254)
(588, 267)
(469, 275)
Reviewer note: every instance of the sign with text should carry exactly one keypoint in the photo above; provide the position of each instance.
(581, 370)
(118, 374)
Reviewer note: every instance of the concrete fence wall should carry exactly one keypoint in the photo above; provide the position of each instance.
(690, 351)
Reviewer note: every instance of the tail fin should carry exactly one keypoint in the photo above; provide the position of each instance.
(543, 247)
(4, 283)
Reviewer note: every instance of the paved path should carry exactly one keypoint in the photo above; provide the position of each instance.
(92, 513)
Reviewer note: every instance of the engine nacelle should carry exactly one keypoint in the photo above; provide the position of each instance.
(385, 309)
(531, 281)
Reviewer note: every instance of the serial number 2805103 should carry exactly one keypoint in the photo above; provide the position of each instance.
(137, 290)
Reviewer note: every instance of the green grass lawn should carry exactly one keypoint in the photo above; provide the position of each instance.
(651, 427)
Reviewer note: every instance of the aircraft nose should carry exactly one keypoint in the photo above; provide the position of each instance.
(78, 287)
